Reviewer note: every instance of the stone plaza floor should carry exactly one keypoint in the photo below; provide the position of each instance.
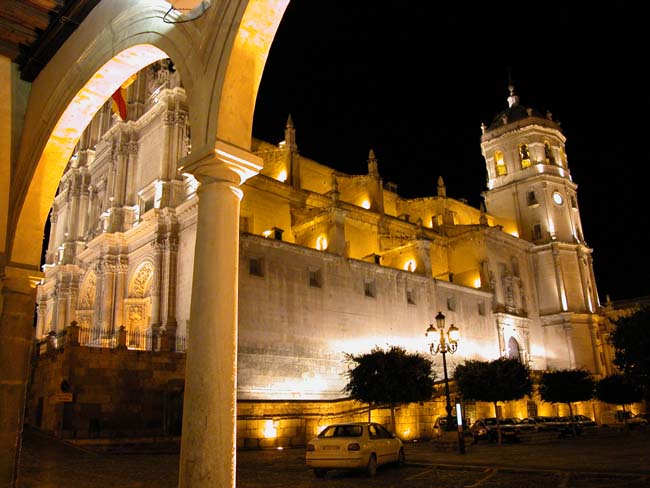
(601, 458)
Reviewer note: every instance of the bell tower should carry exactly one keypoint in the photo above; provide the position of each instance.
(530, 185)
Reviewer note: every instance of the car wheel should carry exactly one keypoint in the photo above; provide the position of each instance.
(320, 472)
(401, 458)
(372, 465)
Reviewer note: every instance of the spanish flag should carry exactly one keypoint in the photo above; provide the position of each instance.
(119, 98)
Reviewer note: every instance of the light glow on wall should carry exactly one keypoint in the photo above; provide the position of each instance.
(366, 204)
(565, 306)
(551, 228)
(410, 265)
(267, 233)
(477, 282)
(270, 430)
(282, 176)
(321, 243)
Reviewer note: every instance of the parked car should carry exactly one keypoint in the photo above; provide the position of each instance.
(440, 425)
(486, 429)
(356, 445)
(545, 422)
(529, 424)
(618, 418)
(584, 421)
(554, 423)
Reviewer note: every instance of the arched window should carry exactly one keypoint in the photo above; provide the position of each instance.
(548, 153)
(524, 156)
(500, 163)
(513, 349)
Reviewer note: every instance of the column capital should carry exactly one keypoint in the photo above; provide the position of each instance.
(223, 162)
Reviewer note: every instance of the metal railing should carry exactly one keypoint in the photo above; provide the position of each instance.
(141, 340)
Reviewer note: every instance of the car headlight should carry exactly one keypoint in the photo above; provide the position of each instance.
(354, 447)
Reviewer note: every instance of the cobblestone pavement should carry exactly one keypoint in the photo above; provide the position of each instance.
(601, 459)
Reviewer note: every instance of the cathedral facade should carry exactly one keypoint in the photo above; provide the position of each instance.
(329, 263)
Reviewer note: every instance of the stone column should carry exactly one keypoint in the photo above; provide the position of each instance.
(157, 245)
(17, 332)
(171, 253)
(559, 281)
(122, 264)
(51, 248)
(208, 444)
(108, 295)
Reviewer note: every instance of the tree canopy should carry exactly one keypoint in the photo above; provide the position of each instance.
(500, 380)
(631, 341)
(567, 386)
(392, 377)
(617, 389)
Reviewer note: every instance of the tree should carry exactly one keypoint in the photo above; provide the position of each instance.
(500, 380)
(631, 341)
(392, 377)
(567, 386)
(617, 389)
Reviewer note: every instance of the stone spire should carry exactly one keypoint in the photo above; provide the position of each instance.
(442, 190)
(513, 100)
(373, 169)
(483, 218)
(290, 135)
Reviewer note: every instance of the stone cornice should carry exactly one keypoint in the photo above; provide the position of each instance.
(223, 162)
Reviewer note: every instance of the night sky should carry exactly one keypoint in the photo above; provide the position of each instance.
(415, 81)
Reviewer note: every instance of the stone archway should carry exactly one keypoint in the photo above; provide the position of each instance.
(513, 349)
(137, 306)
(221, 58)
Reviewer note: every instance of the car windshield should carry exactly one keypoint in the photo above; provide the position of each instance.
(341, 431)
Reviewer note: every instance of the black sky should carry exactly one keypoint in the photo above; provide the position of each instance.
(414, 80)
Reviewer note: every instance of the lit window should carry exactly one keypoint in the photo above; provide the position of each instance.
(557, 198)
(321, 243)
(500, 163)
(524, 156)
(548, 153)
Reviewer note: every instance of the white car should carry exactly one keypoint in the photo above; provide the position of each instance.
(355, 445)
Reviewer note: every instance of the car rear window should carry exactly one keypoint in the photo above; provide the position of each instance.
(341, 431)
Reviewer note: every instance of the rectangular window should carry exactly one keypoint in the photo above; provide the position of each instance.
(532, 199)
(410, 297)
(481, 308)
(315, 278)
(537, 232)
(244, 224)
(369, 289)
(256, 266)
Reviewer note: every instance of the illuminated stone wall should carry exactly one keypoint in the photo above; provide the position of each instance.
(330, 263)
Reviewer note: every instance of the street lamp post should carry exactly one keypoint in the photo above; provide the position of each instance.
(445, 341)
